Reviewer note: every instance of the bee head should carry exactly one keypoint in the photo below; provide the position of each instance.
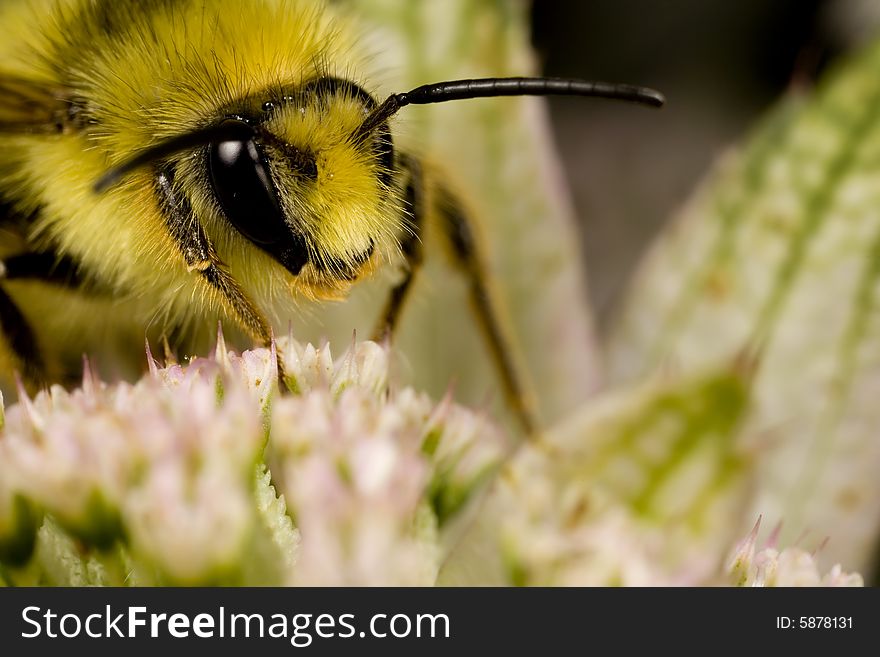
(294, 176)
(298, 182)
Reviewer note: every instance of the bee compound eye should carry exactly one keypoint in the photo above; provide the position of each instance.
(243, 186)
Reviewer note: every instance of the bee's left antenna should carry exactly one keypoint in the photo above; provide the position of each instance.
(441, 92)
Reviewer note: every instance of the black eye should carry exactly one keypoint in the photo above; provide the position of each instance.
(245, 191)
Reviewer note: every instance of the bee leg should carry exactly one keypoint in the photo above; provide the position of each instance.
(468, 257)
(411, 247)
(200, 257)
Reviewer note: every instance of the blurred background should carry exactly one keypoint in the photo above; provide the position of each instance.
(720, 63)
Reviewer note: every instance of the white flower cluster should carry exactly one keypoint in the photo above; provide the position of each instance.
(165, 481)
(164, 465)
(770, 566)
(369, 475)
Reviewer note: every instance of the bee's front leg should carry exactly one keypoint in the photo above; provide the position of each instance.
(201, 258)
(429, 200)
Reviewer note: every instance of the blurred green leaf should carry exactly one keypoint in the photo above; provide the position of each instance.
(779, 251)
(636, 488)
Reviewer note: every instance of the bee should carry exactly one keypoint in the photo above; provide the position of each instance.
(170, 163)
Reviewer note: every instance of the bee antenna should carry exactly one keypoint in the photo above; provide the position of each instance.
(441, 92)
(231, 131)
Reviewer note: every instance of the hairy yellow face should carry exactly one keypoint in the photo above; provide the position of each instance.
(331, 185)
(302, 185)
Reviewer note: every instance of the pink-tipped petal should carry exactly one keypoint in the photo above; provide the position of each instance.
(152, 365)
(30, 410)
(773, 539)
(221, 355)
